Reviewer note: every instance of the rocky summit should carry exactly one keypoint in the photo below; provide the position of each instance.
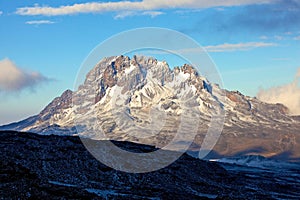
(143, 100)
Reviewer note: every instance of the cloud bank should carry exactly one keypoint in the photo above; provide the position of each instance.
(145, 5)
(14, 79)
(288, 94)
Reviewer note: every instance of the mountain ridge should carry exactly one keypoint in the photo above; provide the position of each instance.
(144, 84)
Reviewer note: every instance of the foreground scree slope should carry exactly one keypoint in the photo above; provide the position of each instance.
(145, 84)
(59, 167)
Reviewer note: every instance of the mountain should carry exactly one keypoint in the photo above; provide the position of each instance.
(59, 167)
(143, 100)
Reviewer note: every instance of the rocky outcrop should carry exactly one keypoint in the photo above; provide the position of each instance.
(57, 106)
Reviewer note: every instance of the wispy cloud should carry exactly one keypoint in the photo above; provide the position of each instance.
(14, 79)
(125, 14)
(1, 12)
(145, 5)
(281, 59)
(297, 38)
(238, 47)
(153, 13)
(226, 47)
(278, 16)
(278, 37)
(288, 94)
(263, 37)
(39, 22)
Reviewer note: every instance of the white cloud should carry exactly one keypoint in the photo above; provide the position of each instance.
(1, 12)
(238, 47)
(125, 14)
(38, 22)
(288, 94)
(145, 5)
(13, 79)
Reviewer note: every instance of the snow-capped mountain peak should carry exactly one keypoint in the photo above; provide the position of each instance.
(122, 96)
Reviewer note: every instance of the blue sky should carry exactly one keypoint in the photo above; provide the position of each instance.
(254, 43)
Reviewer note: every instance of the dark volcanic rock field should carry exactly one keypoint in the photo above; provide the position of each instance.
(59, 167)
